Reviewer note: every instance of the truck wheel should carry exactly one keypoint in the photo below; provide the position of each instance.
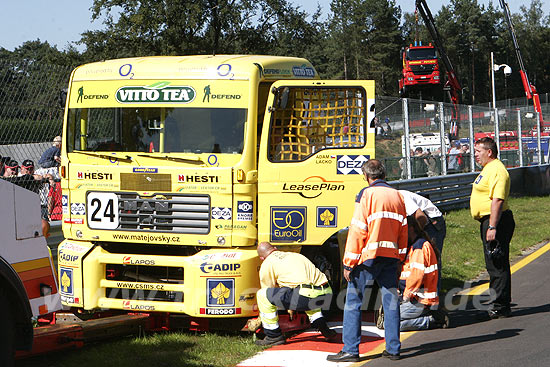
(333, 272)
(7, 331)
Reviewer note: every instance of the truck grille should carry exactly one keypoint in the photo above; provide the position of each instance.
(423, 69)
(177, 213)
(150, 281)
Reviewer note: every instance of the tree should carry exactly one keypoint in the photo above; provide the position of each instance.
(184, 27)
(31, 78)
(384, 41)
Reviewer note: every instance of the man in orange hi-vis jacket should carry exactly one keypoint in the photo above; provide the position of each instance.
(418, 283)
(377, 241)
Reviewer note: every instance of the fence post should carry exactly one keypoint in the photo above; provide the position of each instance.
(472, 142)
(442, 139)
(407, 162)
(497, 132)
(520, 138)
(539, 150)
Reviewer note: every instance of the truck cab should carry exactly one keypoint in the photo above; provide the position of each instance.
(420, 68)
(174, 168)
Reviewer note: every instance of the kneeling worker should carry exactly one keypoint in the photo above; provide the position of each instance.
(418, 283)
(291, 282)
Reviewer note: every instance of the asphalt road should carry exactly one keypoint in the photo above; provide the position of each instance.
(522, 340)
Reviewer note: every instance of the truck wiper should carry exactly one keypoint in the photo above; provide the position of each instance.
(194, 160)
(106, 156)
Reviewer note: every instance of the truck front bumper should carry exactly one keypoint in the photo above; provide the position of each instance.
(211, 283)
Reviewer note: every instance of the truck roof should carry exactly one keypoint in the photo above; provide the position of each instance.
(241, 67)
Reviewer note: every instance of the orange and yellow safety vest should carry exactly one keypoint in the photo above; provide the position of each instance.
(378, 227)
(420, 273)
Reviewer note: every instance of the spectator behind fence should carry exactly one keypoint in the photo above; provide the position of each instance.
(50, 195)
(453, 156)
(27, 170)
(431, 164)
(419, 167)
(51, 156)
(464, 161)
(11, 168)
(27, 178)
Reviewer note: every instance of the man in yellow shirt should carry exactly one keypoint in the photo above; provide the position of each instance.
(489, 205)
(289, 281)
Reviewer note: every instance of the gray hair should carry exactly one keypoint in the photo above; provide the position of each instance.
(374, 169)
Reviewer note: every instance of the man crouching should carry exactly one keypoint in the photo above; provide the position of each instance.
(289, 281)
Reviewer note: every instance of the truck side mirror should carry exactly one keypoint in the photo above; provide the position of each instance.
(283, 100)
(62, 97)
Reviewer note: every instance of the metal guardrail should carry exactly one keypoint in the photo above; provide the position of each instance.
(453, 191)
(446, 192)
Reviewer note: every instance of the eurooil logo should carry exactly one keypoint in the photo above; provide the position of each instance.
(288, 224)
(160, 92)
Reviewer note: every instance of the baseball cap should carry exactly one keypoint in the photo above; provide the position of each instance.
(27, 163)
(12, 164)
(57, 139)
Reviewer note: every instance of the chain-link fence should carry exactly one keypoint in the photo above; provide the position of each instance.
(417, 138)
(31, 115)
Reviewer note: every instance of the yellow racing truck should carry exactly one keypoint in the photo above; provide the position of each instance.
(174, 168)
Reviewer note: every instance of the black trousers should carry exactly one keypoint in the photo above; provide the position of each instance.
(499, 267)
(290, 299)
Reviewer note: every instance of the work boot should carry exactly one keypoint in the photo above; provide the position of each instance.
(269, 341)
(321, 325)
(343, 357)
(499, 313)
(393, 357)
(441, 318)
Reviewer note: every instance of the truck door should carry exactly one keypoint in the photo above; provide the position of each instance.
(315, 137)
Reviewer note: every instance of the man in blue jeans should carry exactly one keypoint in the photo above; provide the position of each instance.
(377, 241)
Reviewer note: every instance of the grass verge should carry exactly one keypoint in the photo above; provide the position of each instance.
(463, 252)
(160, 350)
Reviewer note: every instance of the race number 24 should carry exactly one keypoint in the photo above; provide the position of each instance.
(102, 210)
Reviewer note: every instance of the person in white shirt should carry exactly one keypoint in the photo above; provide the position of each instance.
(430, 219)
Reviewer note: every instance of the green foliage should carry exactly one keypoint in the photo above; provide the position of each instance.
(31, 80)
(357, 39)
(21, 131)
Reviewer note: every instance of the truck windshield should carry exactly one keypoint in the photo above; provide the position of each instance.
(421, 54)
(145, 129)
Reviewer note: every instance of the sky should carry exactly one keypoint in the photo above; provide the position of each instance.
(60, 22)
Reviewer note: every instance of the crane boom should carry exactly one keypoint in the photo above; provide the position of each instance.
(452, 84)
(530, 90)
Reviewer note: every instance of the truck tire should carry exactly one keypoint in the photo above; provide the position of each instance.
(7, 331)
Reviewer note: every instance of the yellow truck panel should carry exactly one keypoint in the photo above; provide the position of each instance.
(173, 168)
